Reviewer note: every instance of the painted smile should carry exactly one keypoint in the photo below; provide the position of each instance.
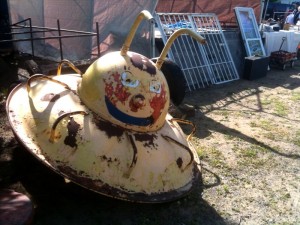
(125, 118)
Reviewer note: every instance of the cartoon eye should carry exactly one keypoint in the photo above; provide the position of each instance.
(155, 87)
(128, 82)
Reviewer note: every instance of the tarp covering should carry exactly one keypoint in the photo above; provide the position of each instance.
(222, 8)
(114, 17)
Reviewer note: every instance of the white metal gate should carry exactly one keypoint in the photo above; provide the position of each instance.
(202, 65)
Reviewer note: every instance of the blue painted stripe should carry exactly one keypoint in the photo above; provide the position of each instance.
(116, 113)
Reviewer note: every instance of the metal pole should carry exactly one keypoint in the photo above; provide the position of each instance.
(31, 37)
(98, 41)
(152, 39)
(52, 29)
(59, 39)
(266, 10)
(44, 38)
(262, 3)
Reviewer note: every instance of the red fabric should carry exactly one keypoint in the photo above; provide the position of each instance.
(222, 8)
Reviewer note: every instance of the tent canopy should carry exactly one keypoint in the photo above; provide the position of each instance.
(114, 19)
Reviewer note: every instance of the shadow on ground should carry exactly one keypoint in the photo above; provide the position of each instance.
(205, 101)
(58, 202)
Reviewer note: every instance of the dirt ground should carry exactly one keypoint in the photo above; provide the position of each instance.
(248, 139)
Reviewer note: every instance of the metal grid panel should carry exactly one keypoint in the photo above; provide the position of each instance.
(202, 64)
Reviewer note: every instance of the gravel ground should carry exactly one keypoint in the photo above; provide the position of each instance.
(248, 139)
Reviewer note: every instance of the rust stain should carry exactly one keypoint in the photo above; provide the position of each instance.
(109, 129)
(109, 160)
(48, 132)
(104, 157)
(158, 102)
(143, 63)
(115, 90)
(137, 102)
(73, 128)
(179, 162)
(58, 136)
(147, 139)
(95, 185)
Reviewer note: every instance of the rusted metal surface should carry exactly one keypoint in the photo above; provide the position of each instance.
(133, 95)
(107, 130)
(97, 154)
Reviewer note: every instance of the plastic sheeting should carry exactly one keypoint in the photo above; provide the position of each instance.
(113, 16)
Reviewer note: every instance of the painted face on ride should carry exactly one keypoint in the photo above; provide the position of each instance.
(133, 92)
(135, 95)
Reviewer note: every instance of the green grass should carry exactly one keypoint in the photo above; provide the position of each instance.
(264, 124)
(274, 132)
(280, 108)
(212, 155)
(223, 113)
(266, 102)
(296, 140)
(250, 153)
(295, 96)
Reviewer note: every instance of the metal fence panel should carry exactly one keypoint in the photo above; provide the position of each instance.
(202, 65)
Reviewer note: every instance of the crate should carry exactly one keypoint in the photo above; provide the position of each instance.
(282, 56)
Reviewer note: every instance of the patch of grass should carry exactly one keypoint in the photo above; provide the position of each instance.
(270, 136)
(264, 124)
(261, 149)
(251, 156)
(223, 113)
(226, 189)
(265, 102)
(295, 96)
(296, 140)
(212, 155)
(286, 196)
(217, 163)
(267, 125)
(229, 137)
(280, 108)
(201, 152)
(250, 153)
(274, 132)
(253, 124)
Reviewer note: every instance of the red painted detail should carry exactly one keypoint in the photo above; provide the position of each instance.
(137, 102)
(158, 103)
(114, 89)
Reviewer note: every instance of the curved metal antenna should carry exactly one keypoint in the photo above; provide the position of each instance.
(65, 61)
(170, 41)
(143, 15)
(44, 77)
